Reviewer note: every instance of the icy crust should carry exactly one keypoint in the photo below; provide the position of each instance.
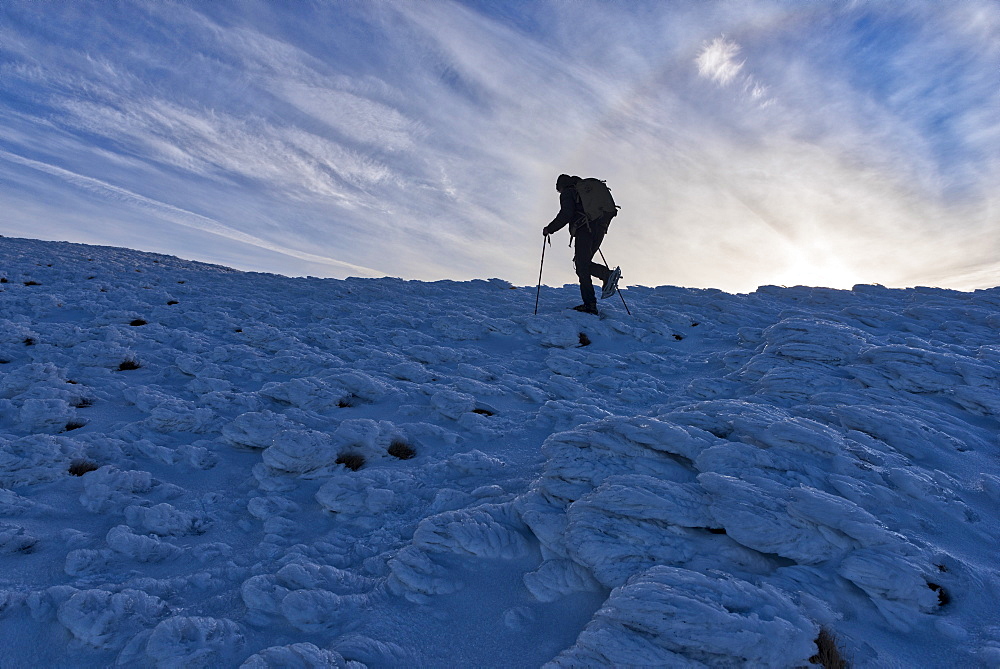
(201, 467)
(825, 444)
(106, 620)
(678, 618)
(186, 641)
(489, 531)
(34, 458)
(299, 656)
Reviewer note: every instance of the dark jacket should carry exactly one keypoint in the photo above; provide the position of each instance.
(570, 211)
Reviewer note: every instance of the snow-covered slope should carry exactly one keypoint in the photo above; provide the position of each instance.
(201, 467)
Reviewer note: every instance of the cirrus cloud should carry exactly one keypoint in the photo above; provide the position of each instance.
(748, 143)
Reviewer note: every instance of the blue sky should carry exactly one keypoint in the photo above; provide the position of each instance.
(748, 143)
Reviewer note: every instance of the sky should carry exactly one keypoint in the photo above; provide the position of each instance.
(747, 143)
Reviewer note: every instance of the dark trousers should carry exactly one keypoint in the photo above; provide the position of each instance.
(588, 242)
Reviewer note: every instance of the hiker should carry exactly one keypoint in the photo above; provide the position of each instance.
(588, 235)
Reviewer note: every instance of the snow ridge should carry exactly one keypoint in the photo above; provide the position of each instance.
(201, 467)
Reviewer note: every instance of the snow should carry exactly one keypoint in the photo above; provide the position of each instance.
(375, 472)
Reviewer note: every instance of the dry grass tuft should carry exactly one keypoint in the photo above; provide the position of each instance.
(402, 450)
(584, 339)
(943, 597)
(128, 365)
(829, 656)
(353, 461)
(81, 467)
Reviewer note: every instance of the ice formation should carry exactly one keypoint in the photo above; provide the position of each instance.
(201, 467)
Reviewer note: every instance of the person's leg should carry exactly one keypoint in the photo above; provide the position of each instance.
(583, 261)
(602, 272)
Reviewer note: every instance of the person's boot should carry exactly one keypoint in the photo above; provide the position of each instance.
(610, 286)
(586, 308)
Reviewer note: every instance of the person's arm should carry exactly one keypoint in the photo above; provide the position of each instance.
(567, 212)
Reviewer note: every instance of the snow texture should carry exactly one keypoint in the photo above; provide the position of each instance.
(201, 467)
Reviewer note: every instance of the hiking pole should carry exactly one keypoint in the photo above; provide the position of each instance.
(617, 291)
(540, 266)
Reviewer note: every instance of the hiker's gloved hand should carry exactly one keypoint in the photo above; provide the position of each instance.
(545, 231)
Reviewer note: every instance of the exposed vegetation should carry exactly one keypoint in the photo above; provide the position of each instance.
(943, 597)
(402, 450)
(353, 461)
(829, 656)
(81, 466)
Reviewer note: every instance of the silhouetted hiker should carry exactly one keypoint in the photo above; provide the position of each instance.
(586, 205)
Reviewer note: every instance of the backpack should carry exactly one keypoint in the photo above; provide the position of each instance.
(596, 200)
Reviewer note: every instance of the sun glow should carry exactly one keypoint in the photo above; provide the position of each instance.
(809, 268)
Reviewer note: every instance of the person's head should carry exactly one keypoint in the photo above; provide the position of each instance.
(565, 181)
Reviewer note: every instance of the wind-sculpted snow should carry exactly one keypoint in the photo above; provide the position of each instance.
(675, 617)
(206, 468)
(105, 620)
(298, 656)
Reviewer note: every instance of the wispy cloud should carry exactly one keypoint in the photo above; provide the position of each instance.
(166, 212)
(719, 61)
(749, 143)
